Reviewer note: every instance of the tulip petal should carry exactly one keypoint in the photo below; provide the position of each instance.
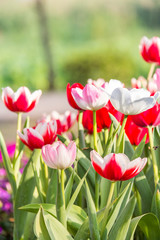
(49, 156)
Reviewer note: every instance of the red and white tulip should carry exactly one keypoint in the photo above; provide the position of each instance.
(20, 101)
(117, 167)
(36, 137)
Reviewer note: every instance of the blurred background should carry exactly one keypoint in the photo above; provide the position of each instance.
(46, 44)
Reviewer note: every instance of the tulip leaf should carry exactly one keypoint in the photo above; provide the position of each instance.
(118, 207)
(68, 188)
(120, 228)
(34, 208)
(144, 189)
(24, 194)
(54, 228)
(139, 150)
(156, 201)
(76, 192)
(52, 188)
(156, 140)
(105, 184)
(40, 229)
(93, 225)
(148, 224)
(8, 165)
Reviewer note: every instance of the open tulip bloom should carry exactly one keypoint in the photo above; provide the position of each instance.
(117, 167)
(58, 156)
(44, 133)
(89, 98)
(134, 101)
(20, 101)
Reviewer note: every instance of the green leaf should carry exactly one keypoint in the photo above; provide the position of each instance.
(8, 165)
(122, 144)
(68, 188)
(24, 194)
(93, 225)
(75, 219)
(121, 226)
(55, 229)
(76, 192)
(149, 225)
(156, 201)
(118, 207)
(105, 184)
(52, 188)
(139, 150)
(34, 208)
(156, 140)
(40, 229)
(144, 189)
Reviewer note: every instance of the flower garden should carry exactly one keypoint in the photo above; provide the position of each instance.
(98, 181)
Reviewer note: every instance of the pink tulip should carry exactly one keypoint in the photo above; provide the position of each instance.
(116, 167)
(150, 49)
(20, 101)
(156, 78)
(36, 137)
(140, 82)
(89, 98)
(58, 156)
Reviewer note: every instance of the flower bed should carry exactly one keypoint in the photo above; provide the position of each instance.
(104, 184)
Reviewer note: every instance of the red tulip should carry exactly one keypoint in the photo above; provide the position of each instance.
(21, 100)
(118, 115)
(117, 167)
(70, 97)
(150, 117)
(102, 116)
(150, 49)
(135, 133)
(36, 137)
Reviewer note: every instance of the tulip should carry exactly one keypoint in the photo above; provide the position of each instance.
(58, 156)
(36, 137)
(89, 98)
(151, 117)
(135, 133)
(70, 97)
(64, 121)
(21, 100)
(109, 87)
(102, 116)
(141, 82)
(117, 167)
(150, 49)
(97, 83)
(156, 78)
(134, 101)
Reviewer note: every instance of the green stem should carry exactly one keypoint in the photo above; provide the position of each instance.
(81, 131)
(97, 178)
(121, 134)
(62, 185)
(106, 135)
(155, 167)
(60, 209)
(150, 74)
(19, 122)
(107, 207)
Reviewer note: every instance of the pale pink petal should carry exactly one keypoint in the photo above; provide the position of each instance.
(49, 156)
(72, 151)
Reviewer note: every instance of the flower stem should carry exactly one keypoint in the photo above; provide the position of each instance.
(121, 134)
(105, 135)
(96, 149)
(19, 122)
(81, 131)
(155, 167)
(150, 74)
(62, 185)
(107, 207)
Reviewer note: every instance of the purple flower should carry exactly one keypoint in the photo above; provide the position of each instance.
(10, 149)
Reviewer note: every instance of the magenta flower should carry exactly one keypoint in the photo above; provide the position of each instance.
(116, 167)
(20, 101)
(44, 133)
(10, 149)
(58, 156)
(89, 98)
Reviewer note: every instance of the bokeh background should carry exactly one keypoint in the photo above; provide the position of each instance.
(46, 44)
